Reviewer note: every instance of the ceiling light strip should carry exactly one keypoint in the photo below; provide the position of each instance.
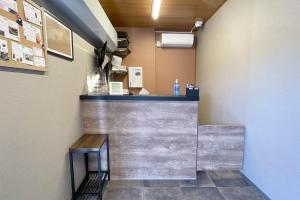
(156, 8)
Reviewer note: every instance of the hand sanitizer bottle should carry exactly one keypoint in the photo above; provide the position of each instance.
(176, 88)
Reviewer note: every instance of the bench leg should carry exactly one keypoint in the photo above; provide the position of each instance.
(86, 162)
(107, 156)
(99, 174)
(72, 175)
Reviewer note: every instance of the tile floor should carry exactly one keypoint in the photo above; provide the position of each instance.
(210, 185)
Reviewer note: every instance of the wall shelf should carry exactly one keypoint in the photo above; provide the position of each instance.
(120, 72)
(122, 52)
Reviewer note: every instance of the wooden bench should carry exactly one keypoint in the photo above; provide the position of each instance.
(94, 181)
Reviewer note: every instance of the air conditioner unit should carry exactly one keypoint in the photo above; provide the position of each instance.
(177, 40)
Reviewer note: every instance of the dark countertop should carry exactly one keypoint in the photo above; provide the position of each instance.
(138, 98)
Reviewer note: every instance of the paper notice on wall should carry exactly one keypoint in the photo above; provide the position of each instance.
(3, 26)
(39, 62)
(38, 52)
(17, 52)
(13, 30)
(32, 14)
(27, 56)
(4, 51)
(32, 33)
(38, 58)
(9, 6)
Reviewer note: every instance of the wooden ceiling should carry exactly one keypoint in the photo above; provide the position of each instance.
(174, 14)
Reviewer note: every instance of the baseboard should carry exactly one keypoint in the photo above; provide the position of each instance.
(253, 185)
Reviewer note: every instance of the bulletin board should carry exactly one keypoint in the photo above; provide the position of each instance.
(22, 44)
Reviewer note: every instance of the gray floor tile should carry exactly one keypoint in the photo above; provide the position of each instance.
(212, 185)
(168, 193)
(237, 182)
(241, 193)
(227, 178)
(125, 184)
(201, 193)
(225, 174)
(123, 194)
(203, 180)
(162, 183)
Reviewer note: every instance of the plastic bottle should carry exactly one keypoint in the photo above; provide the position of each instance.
(176, 88)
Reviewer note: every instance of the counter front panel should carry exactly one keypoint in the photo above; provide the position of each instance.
(148, 139)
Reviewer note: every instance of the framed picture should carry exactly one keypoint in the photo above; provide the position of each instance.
(59, 38)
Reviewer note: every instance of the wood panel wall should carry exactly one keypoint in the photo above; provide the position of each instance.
(160, 66)
(142, 54)
(171, 64)
(148, 139)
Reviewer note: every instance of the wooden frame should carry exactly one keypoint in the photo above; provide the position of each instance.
(115, 91)
(23, 41)
(60, 34)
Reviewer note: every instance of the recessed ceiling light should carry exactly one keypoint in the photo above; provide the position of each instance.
(156, 8)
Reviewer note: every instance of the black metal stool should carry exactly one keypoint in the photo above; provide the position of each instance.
(94, 181)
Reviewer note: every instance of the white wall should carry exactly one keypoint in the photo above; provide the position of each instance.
(39, 120)
(248, 70)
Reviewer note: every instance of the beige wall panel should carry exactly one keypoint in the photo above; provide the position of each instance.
(39, 120)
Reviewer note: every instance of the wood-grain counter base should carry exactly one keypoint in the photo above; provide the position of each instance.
(148, 139)
(220, 147)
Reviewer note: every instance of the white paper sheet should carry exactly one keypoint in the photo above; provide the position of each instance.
(32, 14)
(17, 51)
(13, 30)
(39, 62)
(3, 50)
(32, 33)
(27, 55)
(38, 52)
(9, 6)
(3, 46)
(3, 26)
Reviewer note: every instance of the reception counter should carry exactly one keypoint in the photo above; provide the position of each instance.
(151, 137)
(138, 98)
